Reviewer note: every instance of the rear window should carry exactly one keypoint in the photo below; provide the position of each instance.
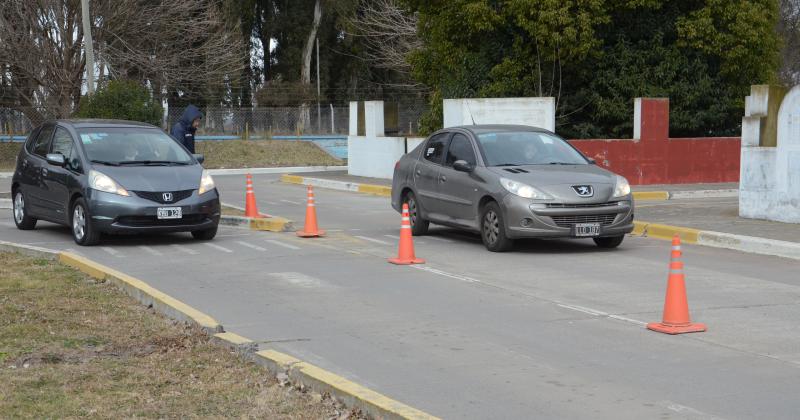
(132, 146)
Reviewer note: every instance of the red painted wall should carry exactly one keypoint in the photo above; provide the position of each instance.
(657, 159)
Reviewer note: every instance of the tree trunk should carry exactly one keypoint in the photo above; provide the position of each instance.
(305, 69)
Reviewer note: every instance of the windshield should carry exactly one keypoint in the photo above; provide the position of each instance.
(132, 146)
(528, 148)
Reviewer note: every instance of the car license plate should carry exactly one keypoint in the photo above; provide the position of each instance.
(587, 229)
(170, 213)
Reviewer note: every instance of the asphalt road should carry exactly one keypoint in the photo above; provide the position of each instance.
(554, 330)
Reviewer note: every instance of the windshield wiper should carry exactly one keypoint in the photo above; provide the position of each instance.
(105, 162)
(560, 163)
(151, 162)
(508, 164)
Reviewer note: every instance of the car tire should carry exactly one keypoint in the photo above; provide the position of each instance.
(419, 226)
(205, 235)
(493, 231)
(21, 218)
(80, 222)
(609, 242)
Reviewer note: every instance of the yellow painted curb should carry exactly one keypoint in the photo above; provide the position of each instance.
(232, 338)
(275, 359)
(651, 195)
(141, 291)
(654, 230)
(380, 190)
(292, 179)
(271, 224)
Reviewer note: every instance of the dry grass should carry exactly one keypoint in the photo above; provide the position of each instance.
(8, 155)
(263, 153)
(230, 154)
(70, 347)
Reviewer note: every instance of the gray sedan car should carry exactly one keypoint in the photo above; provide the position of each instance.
(99, 176)
(508, 182)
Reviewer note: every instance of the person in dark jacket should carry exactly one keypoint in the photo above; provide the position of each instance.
(184, 129)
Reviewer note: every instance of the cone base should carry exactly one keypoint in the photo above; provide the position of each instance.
(676, 329)
(304, 234)
(399, 261)
(259, 216)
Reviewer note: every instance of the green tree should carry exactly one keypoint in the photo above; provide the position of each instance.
(122, 100)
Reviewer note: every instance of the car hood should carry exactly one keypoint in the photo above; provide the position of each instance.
(558, 180)
(155, 178)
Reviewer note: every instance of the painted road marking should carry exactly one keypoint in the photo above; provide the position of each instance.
(633, 321)
(150, 250)
(446, 274)
(291, 202)
(111, 251)
(589, 311)
(278, 243)
(392, 236)
(251, 246)
(688, 412)
(218, 248)
(297, 279)
(184, 249)
(377, 241)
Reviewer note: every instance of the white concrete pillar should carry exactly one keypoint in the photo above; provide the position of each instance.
(373, 119)
(353, 119)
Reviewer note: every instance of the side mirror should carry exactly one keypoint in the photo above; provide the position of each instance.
(462, 166)
(200, 158)
(592, 161)
(56, 159)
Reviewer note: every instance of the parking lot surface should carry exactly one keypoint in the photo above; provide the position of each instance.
(552, 330)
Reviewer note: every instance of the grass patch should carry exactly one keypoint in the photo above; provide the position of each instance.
(263, 154)
(8, 156)
(70, 347)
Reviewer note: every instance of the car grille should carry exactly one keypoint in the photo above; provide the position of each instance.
(579, 206)
(146, 221)
(569, 221)
(158, 197)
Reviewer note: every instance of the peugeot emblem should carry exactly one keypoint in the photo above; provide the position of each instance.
(583, 190)
(167, 197)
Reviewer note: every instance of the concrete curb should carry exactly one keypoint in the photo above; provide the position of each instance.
(280, 170)
(269, 224)
(299, 373)
(372, 189)
(749, 244)
(386, 191)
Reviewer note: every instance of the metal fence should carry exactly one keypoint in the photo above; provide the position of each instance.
(255, 122)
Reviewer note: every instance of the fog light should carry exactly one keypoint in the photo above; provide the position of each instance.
(526, 222)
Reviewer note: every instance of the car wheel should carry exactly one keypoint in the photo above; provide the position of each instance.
(205, 235)
(83, 231)
(21, 218)
(493, 230)
(419, 226)
(611, 242)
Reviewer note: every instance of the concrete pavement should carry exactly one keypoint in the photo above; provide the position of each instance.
(552, 330)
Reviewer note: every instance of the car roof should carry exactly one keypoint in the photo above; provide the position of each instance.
(498, 128)
(100, 123)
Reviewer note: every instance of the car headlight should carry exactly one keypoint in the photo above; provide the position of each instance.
(206, 183)
(102, 182)
(622, 188)
(523, 190)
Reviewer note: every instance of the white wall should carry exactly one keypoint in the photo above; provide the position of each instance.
(537, 112)
(375, 156)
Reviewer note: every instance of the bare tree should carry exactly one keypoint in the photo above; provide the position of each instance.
(41, 57)
(305, 65)
(388, 32)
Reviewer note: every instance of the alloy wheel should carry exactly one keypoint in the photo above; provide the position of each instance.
(491, 227)
(19, 208)
(79, 222)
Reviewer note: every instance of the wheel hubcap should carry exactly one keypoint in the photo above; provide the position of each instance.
(19, 208)
(412, 211)
(79, 222)
(491, 227)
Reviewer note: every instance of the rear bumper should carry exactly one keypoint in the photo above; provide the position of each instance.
(525, 219)
(113, 213)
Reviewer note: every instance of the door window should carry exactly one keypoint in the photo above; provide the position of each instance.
(434, 150)
(64, 144)
(460, 149)
(42, 144)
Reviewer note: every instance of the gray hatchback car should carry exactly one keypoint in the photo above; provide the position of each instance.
(508, 182)
(99, 176)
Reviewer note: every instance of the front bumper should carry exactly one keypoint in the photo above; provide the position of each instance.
(525, 219)
(112, 213)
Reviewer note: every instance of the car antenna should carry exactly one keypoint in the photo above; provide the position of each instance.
(470, 112)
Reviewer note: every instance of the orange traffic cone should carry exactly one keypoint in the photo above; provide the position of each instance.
(250, 208)
(405, 254)
(310, 230)
(676, 308)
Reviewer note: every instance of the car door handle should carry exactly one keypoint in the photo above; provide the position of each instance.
(419, 173)
(44, 171)
(443, 178)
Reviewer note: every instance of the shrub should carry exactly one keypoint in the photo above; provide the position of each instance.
(122, 100)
